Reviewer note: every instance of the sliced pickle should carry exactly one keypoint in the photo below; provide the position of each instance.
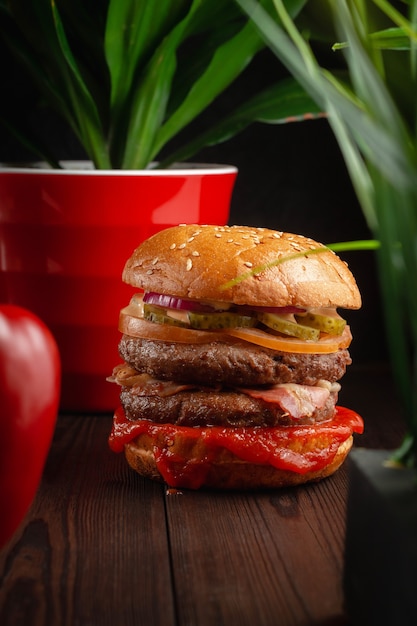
(333, 325)
(225, 319)
(159, 316)
(288, 327)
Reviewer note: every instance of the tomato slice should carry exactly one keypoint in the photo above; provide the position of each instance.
(325, 345)
(138, 327)
(131, 323)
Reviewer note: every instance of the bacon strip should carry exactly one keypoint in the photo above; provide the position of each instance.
(296, 400)
(144, 384)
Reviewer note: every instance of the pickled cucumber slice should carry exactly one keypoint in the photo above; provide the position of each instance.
(159, 316)
(333, 325)
(288, 327)
(225, 319)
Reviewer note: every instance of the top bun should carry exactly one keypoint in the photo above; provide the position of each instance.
(197, 262)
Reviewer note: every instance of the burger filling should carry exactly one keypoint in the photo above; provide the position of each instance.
(229, 382)
(226, 384)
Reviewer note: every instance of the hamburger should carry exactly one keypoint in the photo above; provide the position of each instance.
(232, 350)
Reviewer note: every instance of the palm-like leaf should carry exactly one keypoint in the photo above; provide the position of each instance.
(379, 144)
(121, 73)
(281, 103)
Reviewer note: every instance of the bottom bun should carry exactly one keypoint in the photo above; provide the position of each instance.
(227, 471)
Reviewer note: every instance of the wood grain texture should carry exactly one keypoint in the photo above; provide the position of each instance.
(100, 545)
(94, 540)
(269, 558)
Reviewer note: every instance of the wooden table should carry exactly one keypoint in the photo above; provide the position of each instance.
(101, 545)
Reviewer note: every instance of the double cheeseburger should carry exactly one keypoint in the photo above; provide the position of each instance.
(232, 351)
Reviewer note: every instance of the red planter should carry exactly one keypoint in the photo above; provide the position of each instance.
(64, 238)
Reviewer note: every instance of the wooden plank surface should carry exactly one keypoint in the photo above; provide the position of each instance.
(94, 546)
(101, 545)
(271, 558)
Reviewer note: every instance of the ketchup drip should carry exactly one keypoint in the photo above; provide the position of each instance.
(300, 449)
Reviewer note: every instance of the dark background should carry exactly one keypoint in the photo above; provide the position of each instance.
(291, 177)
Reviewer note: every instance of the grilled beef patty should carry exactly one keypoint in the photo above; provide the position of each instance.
(210, 407)
(230, 364)
(214, 376)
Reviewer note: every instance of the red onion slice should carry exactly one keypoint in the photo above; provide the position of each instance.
(172, 302)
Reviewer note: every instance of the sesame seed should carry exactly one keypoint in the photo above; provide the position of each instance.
(218, 235)
(189, 264)
(182, 246)
(190, 239)
(195, 253)
(173, 246)
(149, 272)
(230, 241)
(248, 264)
(155, 261)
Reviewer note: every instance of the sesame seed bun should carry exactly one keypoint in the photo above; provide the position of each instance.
(188, 443)
(279, 269)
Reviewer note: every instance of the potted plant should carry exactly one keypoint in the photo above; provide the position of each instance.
(372, 111)
(127, 78)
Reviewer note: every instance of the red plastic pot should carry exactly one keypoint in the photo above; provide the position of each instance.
(64, 238)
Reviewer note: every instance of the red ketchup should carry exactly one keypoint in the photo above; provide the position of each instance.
(277, 446)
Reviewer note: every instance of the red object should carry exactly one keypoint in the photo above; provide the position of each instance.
(65, 236)
(29, 398)
(266, 446)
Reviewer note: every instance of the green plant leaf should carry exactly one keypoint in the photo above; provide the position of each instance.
(355, 246)
(388, 39)
(373, 137)
(345, 246)
(397, 17)
(129, 75)
(380, 153)
(133, 30)
(83, 104)
(150, 99)
(398, 262)
(227, 63)
(283, 102)
(211, 26)
(35, 33)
